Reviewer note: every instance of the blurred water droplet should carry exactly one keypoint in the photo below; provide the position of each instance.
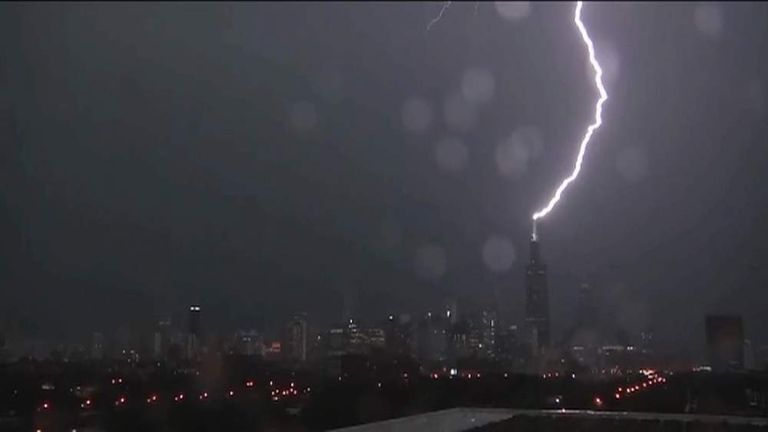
(498, 253)
(513, 10)
(708, 18)
(513, 155)
(478, 85)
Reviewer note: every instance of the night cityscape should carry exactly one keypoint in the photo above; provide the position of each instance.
(300, 216)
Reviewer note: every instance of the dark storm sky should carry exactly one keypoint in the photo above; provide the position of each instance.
(263, 158)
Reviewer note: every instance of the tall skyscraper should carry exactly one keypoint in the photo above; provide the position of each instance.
(193, 332)
(536, 297)
(162, 339)
(249, 343)
(432, 337)
(489, 325)
(355, 336)
(481, 333)
(194, 320)
(725, 342)
(398, 335)
(452, 311)
(583, 339)
(295, 342)
(509, 349)
(337, 341)
(97, 346)
(586, 315)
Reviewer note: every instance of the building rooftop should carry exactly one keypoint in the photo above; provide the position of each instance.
(502, 420)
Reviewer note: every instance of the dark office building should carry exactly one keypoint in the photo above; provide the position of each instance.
(194, 320)
(295, 339)
(193, 332)
(536, 297)
(725, 342)
(398, 335)
(586, 313)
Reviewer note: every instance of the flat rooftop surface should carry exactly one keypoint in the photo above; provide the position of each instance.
(504, 420)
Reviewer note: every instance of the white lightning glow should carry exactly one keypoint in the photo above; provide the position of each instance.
(434, 20)
(592, 127)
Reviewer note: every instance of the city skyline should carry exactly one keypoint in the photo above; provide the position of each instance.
(587, 313)
(383, 215)
(443, 336)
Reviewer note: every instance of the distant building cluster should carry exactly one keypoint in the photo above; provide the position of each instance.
(445, 340)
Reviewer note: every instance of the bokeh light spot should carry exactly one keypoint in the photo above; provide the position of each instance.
(498, 254)
(513, 10)
(478, 85)
(708, 18)
(513, 155)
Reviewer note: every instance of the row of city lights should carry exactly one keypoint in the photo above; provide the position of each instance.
(154, 398)
(555, 375)
(277, 393)
(454, 373)
(651, 378)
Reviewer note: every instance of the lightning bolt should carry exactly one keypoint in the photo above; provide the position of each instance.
(598, 121)
(590, 129)
(434, 21)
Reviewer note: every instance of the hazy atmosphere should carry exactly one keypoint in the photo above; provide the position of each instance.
(261, 159)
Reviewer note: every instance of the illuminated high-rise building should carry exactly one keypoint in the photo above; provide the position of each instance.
(432, 337)
(193, 334)
(452, 311)
(194, 320)
(536, 297)
(489, 325)
(249, 343)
